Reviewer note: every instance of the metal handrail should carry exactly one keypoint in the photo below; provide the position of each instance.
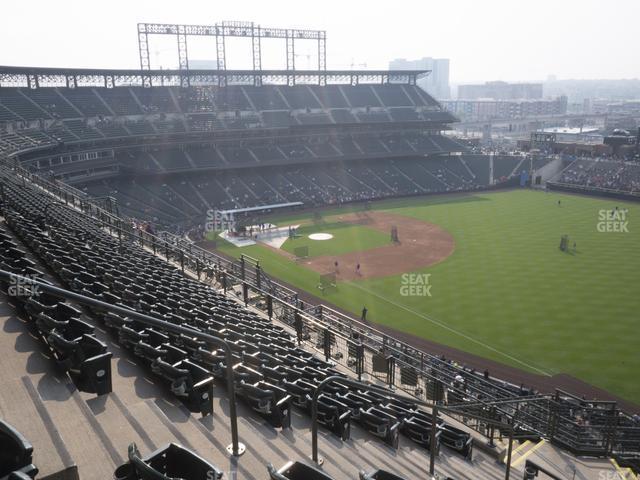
(434, 413)
(354, 322)
(531, 470)
(236, 448)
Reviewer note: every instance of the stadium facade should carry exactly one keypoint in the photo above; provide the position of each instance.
(338, 136)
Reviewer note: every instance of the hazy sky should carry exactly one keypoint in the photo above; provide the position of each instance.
(485, 39)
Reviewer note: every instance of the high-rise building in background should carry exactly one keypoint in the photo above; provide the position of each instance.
(488, 108)
(437, 82)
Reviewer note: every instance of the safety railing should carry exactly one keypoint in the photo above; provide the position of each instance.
(236, 448)
(366, 356)
(435, 411)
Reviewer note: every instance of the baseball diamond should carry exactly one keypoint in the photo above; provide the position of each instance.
(425, 245)
(497, 276)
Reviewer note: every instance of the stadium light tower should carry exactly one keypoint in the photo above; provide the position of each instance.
(230, 29)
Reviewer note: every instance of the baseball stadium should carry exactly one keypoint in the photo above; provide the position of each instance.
(302, 274)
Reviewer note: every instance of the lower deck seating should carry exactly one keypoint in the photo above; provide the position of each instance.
(161, 201)
(602, 174)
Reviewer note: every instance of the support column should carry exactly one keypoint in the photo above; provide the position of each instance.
(220, 49)
(291, 57)
(257, 53)
(183, 57)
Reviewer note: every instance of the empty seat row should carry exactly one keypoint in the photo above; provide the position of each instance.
(69, 339)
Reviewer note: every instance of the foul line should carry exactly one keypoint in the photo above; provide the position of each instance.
(452, 330)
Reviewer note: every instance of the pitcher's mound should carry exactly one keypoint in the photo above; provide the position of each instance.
(421, 245)
(320, 236)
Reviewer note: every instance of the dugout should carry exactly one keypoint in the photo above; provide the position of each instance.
(237, 220)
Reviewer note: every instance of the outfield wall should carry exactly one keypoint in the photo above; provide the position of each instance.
(593, 191)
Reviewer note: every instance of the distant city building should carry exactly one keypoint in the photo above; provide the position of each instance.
(501, 91)
(437, 82)
(578, 90)
(624, 143)
(474, 110)
(624, 107)
(621, 122)
(584, 141)
(586, 134)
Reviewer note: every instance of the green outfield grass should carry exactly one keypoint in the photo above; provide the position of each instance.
(508, 293)
(346, 238)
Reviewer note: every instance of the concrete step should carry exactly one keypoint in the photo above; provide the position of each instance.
(112, 423)
(23, 408)
(84, 437)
